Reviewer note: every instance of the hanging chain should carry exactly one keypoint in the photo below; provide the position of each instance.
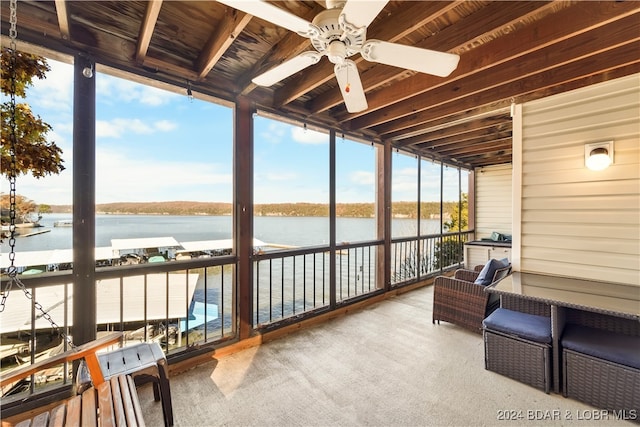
(12, 270)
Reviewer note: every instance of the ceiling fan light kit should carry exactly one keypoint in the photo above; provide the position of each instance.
(340, 32)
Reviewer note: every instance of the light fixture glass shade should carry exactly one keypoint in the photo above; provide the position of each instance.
(598, 159)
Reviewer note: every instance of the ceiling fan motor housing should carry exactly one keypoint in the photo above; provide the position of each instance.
(330, 30)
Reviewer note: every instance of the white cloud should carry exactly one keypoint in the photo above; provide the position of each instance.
(136, 126)
(116, 128)
(119, 90)
(125, 178)
(274, 133)
(165, 125)
(106, 129)
(278, 176)
(55, 91)
(120, 177)
(265, 192)
(404, 184)
(52, 189)
(353, 195)
(363, 178)
(155, 97)
(307, 136)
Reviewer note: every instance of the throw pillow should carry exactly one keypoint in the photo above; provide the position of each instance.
(486, 274)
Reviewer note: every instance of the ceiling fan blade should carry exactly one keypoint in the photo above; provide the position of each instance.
(287, 68)
(351, 86)
(361, 13)
(273, 14)
(413, 58)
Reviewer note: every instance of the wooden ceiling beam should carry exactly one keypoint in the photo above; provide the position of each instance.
(31, 16)
(543, 83)
(632, 67)
(392, 28)
(593, 43)
(450, 39)
(479, 144)
(185, 73)
(63, 19)
(221, 39)
(146, 29)
(499, 148)
(571, 21)
(440, 121)
(487, 159)
(431, 132)
(470, 136)
(516, 51)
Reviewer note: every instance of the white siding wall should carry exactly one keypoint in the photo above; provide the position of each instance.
(574, 221)
(493, 200)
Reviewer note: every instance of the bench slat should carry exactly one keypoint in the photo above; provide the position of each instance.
(41, 420)
(136, 403)
(127, 402)
(111, 404)
(89, 418)
(57, 416)
(73, 411)
(105, 405)
(118, 407)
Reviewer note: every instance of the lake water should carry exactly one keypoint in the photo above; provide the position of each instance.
(295, 231)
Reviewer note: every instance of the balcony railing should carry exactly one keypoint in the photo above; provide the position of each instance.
(176, 304)
(292, 282)
(185, 303)
(413, 258)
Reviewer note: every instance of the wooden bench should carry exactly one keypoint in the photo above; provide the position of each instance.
(112, 403)
(106, 403)
(145, 362)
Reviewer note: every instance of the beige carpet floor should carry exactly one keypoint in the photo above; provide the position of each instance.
(386, 365)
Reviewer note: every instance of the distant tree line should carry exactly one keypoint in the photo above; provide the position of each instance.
(353, 210)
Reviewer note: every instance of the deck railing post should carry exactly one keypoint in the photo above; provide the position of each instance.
(332, 218)
(84, 199)
(243, 213)
(383, 215)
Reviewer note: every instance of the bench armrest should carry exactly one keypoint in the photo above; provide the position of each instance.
(85, 351)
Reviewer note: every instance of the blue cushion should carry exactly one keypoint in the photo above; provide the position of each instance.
(524, 325)
(486, 274)
(617, 348)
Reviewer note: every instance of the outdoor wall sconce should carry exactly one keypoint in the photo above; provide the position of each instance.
(599, 155)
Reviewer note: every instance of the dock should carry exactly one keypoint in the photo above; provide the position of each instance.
(34, 233)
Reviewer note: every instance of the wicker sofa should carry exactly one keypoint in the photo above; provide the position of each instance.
(459, 301)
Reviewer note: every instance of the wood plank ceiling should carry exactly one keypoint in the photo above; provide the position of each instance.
(510, 52)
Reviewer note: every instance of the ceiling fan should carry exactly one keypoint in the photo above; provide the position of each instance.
(339, 32)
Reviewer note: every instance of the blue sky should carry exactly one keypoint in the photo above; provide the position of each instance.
(157, 145)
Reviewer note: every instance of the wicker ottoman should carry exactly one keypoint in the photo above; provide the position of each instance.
(518, 345)
(602, 369)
